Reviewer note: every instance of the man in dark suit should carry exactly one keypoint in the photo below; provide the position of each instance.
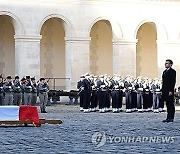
(169, 80)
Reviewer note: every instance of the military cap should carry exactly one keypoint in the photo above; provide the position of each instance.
(16, 77)
(41, 79)
(9, 77)
(33, 78)
(28, 77)
(23, 79)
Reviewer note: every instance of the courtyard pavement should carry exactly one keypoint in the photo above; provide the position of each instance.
(104, 133)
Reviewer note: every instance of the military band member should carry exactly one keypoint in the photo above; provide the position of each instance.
(115, 94)
(101, 93)
(1, 91)
(146, 95)
(9, 89)
(139, 89)
(43, 94)
(121, 87)
(87, 93)
(33, 92)
(27, 91)
(107, 82)
(156, 88)
(128, 89)
(17, 91)
(93, 99)
(81, 94)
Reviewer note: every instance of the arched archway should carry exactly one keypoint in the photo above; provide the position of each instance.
(52, 51)
(146, 51)
(101, 52)
(7, 46)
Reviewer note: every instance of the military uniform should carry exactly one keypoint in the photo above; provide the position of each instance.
(33, 92)
(17, 91)
(43, 94)
(8, 89)
(1, 93)
(27, 87)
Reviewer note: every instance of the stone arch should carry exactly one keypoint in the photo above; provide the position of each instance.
(116, 29)
(17, 24)
(160, 28)
(69, 30)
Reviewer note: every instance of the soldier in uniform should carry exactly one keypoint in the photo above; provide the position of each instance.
(27, 91)
(23, 82)
(9, 89)
(93, 98)
(43, 94)
(1, 91)
(17, 91)
(146, 95)
(107, 82)
(33, 92)
(115, 93)
(121, 87)
(81, 94)
(87, 93)
(156, 88)
(139, 89)
(128, 89)
(101, 93)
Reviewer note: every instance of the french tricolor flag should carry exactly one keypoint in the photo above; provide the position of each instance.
(22, 112)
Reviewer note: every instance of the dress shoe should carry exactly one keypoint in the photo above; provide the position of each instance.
(168, 120)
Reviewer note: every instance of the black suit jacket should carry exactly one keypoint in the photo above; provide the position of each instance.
(169, 81)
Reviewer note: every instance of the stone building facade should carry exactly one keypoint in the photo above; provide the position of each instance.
(67, 38)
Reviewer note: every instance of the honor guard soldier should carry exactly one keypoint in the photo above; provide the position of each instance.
(107, 81)
(139, 89)
(81, 94)
(27, 91)
(93, 98)
(23, 82)
(156, 88)
(17, 91)
(87, 93)
(33, 92)
(1, 91)
(43, 94)
(146, 95)
(9, 89)
(115, 93)
(128, 89)
(133, 95)
(101, 93)
(150, 95)
(121, 87)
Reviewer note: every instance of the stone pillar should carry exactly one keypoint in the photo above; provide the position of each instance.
(77, 59)
(169, 50)
(124, 57)
(27, 55)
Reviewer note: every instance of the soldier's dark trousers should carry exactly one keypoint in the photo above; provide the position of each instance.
(156, 101)
(107, 101)
(145, 101)
(81, 99)
(102, 99)
(1, 99)
(27, 98)
(170, 109)
(119, 104)
(150, 100)
(128, 99)
(134, 100)
(94, 99)
(139, 100)
(86, 100)
(115, 98)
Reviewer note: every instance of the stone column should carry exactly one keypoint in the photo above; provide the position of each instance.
(27, 55)
(169, 50)
(77, 59)
(124, 57)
